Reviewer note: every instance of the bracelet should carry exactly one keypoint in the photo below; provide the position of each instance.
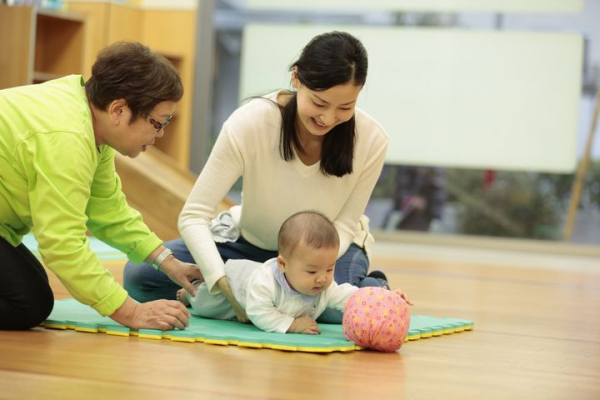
(161, 258)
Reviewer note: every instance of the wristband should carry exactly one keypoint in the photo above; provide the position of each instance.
(161, 258)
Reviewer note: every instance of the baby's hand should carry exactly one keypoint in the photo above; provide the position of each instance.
(182, 297)
(305, 325)
(404, 296)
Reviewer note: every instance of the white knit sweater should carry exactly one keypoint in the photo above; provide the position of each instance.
(274, 189)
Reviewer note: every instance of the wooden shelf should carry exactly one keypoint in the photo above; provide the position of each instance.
(169, 143)
(59, 43)
(179, 47)
(108, 22)
(46, 44)
(61, 14)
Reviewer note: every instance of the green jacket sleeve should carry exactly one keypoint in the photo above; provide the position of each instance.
(110, 217)
(60, 169)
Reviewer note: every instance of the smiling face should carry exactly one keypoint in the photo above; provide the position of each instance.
(130, 139)
(309, 270)
(319, 111)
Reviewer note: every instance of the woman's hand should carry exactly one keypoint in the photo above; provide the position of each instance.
(159, 314)
(226, 290)
(182, 273)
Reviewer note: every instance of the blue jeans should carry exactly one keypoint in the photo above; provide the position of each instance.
(144, 283)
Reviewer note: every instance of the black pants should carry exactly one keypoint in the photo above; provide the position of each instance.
(26, 299)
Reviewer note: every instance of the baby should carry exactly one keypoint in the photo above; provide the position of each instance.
(287, 293)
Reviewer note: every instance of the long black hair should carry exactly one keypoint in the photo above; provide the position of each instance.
(330, 59)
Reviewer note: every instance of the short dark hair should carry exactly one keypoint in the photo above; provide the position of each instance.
(328, 60)
(131, 71)
(309, 227)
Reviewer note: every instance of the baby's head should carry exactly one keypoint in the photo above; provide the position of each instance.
(308, 249)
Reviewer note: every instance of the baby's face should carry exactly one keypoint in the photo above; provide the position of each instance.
(309, 271)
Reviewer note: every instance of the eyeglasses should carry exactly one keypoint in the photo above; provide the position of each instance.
(157, 125)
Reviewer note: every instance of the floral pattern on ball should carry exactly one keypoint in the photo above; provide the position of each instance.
(376, 318)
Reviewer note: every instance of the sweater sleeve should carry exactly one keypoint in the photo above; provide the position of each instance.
(337, 295)
(347, 220)
(224, 166)
(110, 217)
(60, 169)
(260, 305)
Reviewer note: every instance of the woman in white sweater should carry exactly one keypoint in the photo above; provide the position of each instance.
(307, 149)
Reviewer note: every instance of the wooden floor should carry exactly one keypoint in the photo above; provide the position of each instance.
(537, 336)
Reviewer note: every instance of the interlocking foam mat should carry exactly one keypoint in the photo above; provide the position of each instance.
(70, 314)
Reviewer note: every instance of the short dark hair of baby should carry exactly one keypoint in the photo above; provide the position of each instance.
(309, 227)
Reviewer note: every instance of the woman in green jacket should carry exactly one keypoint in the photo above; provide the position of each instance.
(57, 180)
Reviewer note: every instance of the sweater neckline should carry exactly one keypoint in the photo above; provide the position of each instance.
(303, 169)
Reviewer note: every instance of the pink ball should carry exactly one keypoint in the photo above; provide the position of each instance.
(376, 318)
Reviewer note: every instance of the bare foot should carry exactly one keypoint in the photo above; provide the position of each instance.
(182, 297)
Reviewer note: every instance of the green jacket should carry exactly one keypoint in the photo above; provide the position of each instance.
(56, 183)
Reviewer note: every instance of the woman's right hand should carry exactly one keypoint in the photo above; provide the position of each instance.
(158, 314)
(240, 314)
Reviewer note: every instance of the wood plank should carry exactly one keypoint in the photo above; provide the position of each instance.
(537, 336)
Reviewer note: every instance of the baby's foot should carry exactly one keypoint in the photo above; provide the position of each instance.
(182, 297)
